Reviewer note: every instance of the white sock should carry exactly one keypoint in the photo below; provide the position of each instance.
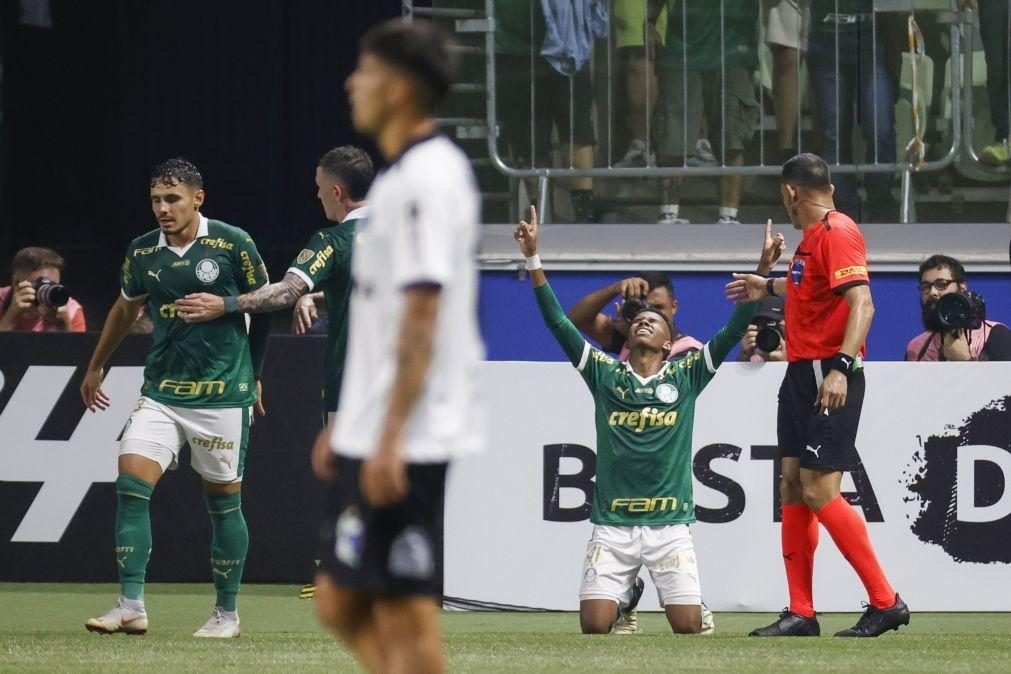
(669, 209)
(136, 605)
(726, 211)
(229, 615)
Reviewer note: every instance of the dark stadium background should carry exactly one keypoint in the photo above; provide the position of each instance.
(252, 92)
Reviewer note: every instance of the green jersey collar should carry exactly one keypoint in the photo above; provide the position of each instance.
(357, 214)
(202, 231)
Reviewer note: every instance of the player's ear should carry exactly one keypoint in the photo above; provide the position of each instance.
(198, 199)
(338, 192)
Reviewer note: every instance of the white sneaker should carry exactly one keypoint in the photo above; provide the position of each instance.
(668, 217)
(221, 625)
(635, 156)
(119, 619)
(728, 220)
(708, 621)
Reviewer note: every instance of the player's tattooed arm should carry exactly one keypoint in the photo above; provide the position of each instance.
(274, 296)
(201, 307)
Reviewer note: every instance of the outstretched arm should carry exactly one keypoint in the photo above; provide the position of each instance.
(202, 307)
(561, 327)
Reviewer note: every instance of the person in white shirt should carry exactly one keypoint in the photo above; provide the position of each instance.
(408, 397)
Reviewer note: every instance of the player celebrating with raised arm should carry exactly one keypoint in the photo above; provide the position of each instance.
(642, 499)
(828, 314)
(408, 401)
(200, 383)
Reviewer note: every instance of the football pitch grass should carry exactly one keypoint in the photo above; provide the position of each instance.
(42, 629)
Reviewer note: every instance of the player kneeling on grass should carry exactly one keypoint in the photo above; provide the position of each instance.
(643, 501)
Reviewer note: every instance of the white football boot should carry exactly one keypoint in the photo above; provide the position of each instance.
(221, 625)
(119, 619)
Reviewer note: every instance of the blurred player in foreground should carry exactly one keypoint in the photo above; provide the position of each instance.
(200, 383)
(643, 500)
(408, 400)
(828, 314)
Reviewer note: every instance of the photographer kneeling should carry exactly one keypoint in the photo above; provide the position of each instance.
(765, 339)
(955, 318)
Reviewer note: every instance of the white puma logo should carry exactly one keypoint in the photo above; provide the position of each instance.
(222, 573)
(155, 274)
(814, 450)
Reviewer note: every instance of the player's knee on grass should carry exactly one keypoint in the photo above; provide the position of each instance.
(597, 616)
(684, 619)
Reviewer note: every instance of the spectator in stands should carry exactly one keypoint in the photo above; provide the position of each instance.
(20, 310)
(639, 28)
(993, 29)
(522, 77)
(770, 320)
(861, 80)
(942, 275)
(652, 287)
(706, 69)
(786, 36)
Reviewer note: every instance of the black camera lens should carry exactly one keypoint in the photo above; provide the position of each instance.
(962, 311)
(769, 337)
(49, 293)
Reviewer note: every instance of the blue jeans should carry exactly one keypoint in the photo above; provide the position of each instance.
(860, 84)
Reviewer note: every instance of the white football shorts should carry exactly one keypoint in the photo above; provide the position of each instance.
(615, 554)
(217, 437)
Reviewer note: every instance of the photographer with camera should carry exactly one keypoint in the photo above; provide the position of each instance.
(765, 339)
(36, 301)
(954, 318)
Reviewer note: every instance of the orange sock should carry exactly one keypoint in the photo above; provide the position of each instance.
(849, 531)
(800, 538)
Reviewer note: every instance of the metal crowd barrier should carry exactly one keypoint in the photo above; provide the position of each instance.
(960, 91)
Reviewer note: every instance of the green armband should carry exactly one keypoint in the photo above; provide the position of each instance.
(231, 304)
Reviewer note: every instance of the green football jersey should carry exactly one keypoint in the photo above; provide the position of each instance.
(325, 264)
(709, 39)
(195, 364)
(643, 424)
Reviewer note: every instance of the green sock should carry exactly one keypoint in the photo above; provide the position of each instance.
(133, 533)
(229, 543)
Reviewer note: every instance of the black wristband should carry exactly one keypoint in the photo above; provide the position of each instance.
(842, 362)
(770, 287)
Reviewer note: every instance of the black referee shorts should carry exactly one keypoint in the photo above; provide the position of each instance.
(821, 441)
(394, 551)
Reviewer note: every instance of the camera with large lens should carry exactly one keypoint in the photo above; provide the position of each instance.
(770, 335)
(956, 311)
(49, 293)
(633, 306)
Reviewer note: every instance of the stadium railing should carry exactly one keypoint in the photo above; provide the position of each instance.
(952, 119)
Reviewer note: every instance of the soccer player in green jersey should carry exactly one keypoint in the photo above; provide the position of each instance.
(343, 177)
(200, 383)
(644, 413)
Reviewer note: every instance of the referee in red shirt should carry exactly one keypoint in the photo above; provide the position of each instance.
(828, 313)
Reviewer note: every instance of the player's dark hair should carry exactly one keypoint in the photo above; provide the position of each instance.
(34, 258)
(177, 171)
(421, 50)
(807, 170)
(352, 166)
(657, 279)
(935, 261)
